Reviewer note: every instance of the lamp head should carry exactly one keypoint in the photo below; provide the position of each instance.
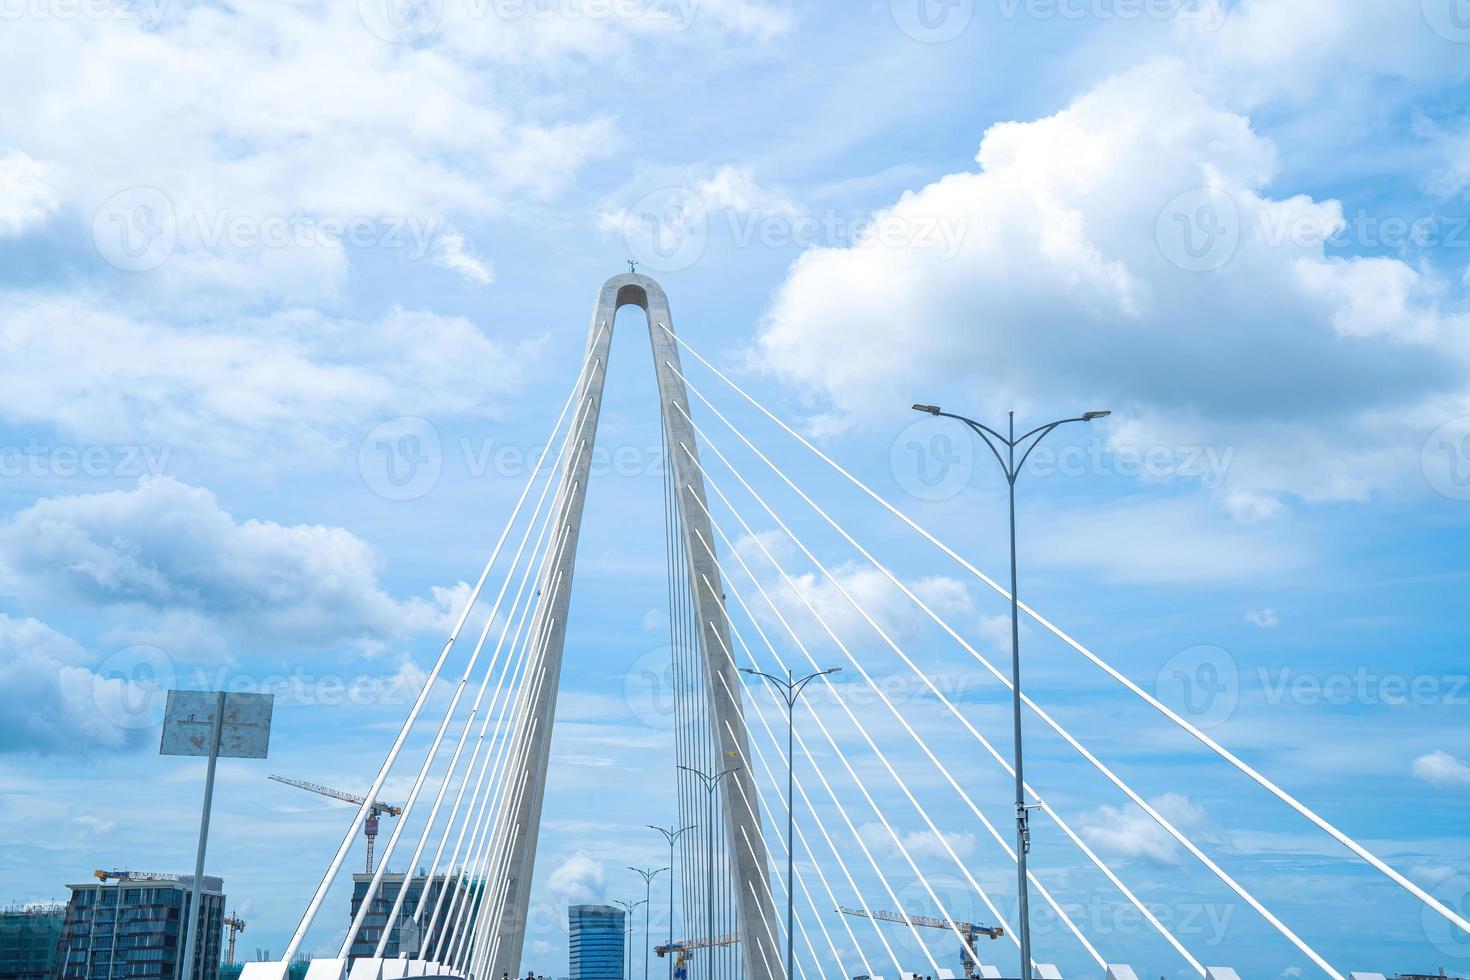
(930, 409)
(1093, 416)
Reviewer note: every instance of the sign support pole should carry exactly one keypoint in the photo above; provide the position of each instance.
(196, 918)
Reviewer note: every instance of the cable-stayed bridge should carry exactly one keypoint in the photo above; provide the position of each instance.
(747, 589)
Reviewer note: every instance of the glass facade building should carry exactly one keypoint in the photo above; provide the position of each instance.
(401, 939)
(28, 939)
(132, 929)
(597, 935)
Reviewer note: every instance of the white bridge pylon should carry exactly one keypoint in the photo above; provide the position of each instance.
(744, 842)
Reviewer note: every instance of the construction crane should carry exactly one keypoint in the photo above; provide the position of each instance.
(684, 949)
(971, 931)
(236, 925)
(117, 874)
(369, 826)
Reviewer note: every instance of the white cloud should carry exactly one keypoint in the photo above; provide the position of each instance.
(53, 702)
(580, 878)
(1439, 768)
(1266, 619)
(254, 387)
(26, 196)
(920, 844)
(168, 547)
(1073, 285)
(866, 586)
(451, 252)
(1131, 833)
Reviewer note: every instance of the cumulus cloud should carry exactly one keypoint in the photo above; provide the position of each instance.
(868, 587)
(53, 702)
(1439, 768)
(26, 196)
(170, 548)
(1130, 833)
(580, 878)
(294, 380)
(920, 844)
(1124, 253)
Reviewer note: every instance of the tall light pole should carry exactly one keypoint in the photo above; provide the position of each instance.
(672, 836)
(790, 690)
(711, 784)
(1012, 468)
(648, 875)
(628, 907)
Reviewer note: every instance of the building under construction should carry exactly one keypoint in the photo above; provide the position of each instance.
(132, 926)
(29, 935)
(405, 937)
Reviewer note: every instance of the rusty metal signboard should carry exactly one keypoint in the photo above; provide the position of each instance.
(189, 724)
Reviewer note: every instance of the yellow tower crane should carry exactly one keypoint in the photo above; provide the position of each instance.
(369, 826)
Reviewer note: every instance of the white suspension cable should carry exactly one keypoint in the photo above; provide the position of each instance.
(842, 756)
(1067, 736)
(423, 773)
(314, 906)
(474, 711)
(1260, 779)
(775, 787)
(954, 711)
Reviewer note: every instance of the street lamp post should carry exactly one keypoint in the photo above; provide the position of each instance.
(1012, 468)
(672, 836)
(628, 907)
(648, 875)
(711, 784)
(790, 690)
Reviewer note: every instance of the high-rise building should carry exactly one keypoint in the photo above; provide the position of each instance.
(421, 942)
(132, 928)
(28, 938)
(597, 935)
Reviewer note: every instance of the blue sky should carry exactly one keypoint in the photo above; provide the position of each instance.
(239, 244)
